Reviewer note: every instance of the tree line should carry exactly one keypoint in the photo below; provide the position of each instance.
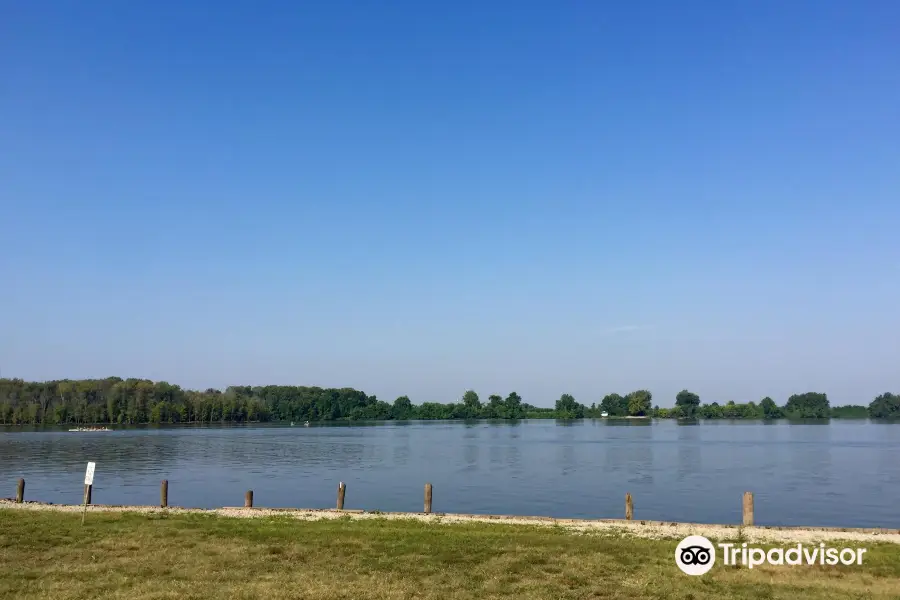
(135, 401)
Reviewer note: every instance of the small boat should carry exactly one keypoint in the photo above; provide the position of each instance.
(306, 424)
(292, 423)
(604, 414)
(91, 429)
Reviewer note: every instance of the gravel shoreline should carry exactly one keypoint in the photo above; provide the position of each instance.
(643, 529)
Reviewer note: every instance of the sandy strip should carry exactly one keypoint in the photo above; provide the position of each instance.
(643, 529)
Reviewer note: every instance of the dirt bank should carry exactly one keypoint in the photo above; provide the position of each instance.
(645, 529)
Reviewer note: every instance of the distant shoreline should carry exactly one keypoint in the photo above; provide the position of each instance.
(114, 400)
(119, 426)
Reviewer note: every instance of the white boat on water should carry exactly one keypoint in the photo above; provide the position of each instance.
(91, 429)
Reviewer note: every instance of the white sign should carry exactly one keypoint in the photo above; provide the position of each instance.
(89, 474)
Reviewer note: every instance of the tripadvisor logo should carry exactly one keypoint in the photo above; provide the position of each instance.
(696, 555)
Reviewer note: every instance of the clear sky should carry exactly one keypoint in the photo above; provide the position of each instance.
(418, 198)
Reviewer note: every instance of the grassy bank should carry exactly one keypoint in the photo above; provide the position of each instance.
(47, 554)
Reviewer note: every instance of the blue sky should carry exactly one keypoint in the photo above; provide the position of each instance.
(419, 198)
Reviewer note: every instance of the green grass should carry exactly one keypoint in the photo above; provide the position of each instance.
(46, 554)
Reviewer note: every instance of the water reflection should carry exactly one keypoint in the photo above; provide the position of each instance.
(626, 422)
(514, 461)
(640, 469)
(471, 447)
(811, 457)
(690, 458)
(567, 461)
(401, 447)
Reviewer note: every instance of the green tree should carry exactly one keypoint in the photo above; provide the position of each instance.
(640, 403)
(614, 405)
(811, 405)
(688, 402)
(402, 409)
(513, 404)
(470, 398)
(732, 410)
(494, 409)
(885, 406)
(568, 408)
(770, 410)
(711, 411)
(751, 411)
(471, 405)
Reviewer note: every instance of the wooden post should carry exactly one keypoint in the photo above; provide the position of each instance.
(87, 500)
(164, 493)
(342, 491)
(748, 509)
(20, 491)
(428, 490)
(629, 508)
(248, 499)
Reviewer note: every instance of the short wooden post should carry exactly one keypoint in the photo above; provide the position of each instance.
(164, 493)
(248, 499)
(629, 507)
(748, 509)
(87, 500)
(342, 491)
(20, 491)
(428, 490)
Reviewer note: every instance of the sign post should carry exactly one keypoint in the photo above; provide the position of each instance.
(88, 482)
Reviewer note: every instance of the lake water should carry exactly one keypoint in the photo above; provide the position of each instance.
(838, 473)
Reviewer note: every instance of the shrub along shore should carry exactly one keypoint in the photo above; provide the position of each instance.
(48, 553)
(134, 401)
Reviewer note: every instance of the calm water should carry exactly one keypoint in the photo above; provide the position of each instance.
(842, 473)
